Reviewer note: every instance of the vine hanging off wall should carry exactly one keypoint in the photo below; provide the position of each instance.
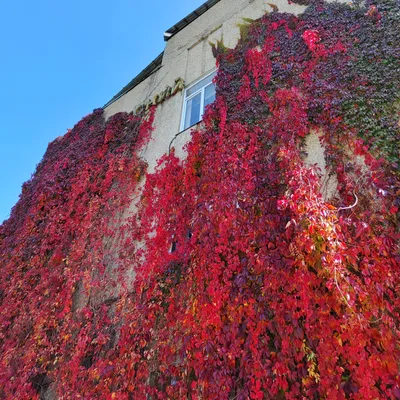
(250, 284)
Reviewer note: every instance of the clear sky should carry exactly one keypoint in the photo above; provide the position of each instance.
(60, 59)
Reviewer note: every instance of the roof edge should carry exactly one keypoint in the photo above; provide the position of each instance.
(144, 74)
(183, 23)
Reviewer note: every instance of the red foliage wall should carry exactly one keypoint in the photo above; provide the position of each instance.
(58, 241)
(248, 283)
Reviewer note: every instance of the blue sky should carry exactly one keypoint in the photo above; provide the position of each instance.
(60, 60)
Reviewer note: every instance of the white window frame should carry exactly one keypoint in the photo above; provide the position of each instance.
(187, 99)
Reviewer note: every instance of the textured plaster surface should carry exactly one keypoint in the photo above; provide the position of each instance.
(315, 156)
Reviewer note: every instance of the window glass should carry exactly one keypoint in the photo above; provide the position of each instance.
(208, 79)
(193, 110)
(209, 95)
(197, 97)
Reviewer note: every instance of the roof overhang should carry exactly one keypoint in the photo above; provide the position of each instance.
(149, 70)
(189, 19)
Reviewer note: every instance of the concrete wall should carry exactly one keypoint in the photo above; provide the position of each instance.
(315, 157)
(188, 55)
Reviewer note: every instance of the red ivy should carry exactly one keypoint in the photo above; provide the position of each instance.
(229, 276)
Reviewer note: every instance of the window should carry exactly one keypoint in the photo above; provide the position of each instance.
(197, 97)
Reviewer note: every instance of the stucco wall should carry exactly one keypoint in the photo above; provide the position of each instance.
(315, 157)
(188, 55)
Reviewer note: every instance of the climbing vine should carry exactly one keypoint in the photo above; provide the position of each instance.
(58, 254)
(231, 277)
